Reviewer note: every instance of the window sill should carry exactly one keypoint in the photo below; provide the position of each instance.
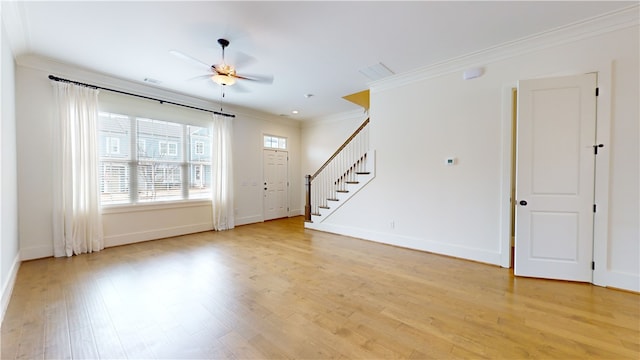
(159, 205)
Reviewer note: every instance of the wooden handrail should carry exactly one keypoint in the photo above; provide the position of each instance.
(340, 148)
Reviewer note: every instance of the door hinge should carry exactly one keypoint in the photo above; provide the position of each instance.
(593, 265)
(597, 91)
(594, 207)
(595, 148)
(287, 209)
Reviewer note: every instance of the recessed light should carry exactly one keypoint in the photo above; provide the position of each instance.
(294, 112)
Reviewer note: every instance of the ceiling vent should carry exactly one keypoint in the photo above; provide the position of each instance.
(376, 72)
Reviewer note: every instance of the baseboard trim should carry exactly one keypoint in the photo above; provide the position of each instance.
(479, 255)
(296, 212)
(7, 287)
(135, 237)
(248, 220)
(623, 281)
(36, 252)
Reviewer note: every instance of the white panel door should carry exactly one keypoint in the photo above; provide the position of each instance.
(275, 184)
(556, 132)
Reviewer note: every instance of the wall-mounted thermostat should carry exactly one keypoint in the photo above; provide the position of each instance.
(451, 161)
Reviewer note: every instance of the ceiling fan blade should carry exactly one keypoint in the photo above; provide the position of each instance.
(265, 79)
(237, 87)
(188, 58)
(241, 60)
(200, 77)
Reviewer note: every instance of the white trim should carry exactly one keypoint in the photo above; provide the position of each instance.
(363, 180)
(505, 175)
(602, 276)
(602, 175)
(624, 281)
(288, 192)
(616, 20)
(156, 205)
(201, 147)
(296, 212)
(7, 287)
(62, 69)
(340, 117)
(436, 247)
(249, 220)
(134, 237)
(36, 252)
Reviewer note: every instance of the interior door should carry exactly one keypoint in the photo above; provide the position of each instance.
(555, 177)
(275, 184)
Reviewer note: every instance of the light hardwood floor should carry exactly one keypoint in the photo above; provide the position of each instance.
(275, 290)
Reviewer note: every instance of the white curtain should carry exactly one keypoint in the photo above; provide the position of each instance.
(77, 224)
(222, 174)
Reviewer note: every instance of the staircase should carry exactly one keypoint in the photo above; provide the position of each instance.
(347, 171)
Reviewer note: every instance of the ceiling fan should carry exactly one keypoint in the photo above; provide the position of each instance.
(225, 74)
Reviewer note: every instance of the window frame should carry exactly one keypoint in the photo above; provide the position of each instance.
(109, 145)
(199, 147)
(278, 141)
(169, 146)
(174, 172)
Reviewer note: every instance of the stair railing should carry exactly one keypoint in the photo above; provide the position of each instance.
(334, 175)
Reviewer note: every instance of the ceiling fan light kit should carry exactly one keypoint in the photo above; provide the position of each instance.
(224, 80)
(224, 74)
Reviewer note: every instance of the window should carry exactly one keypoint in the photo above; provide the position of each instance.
(142, 146)
(199, 148)
(113, 145)
(275, 142)
(165, 166)
(168, 148)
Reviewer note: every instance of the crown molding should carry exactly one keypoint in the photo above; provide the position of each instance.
(339, 117)
(77, 73)
(588, 28)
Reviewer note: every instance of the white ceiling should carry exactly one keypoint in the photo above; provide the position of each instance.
(309, 47)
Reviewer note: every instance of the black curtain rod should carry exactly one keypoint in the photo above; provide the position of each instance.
(55, 78)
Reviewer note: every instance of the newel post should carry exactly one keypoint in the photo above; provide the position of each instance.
(307, 206)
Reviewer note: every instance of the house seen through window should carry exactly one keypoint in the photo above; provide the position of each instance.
(275, 142)
(146, 160)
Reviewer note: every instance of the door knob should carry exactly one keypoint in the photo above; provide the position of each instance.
(523, 202)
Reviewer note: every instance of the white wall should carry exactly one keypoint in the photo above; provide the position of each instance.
(420, 119)
(34, 110)
(9, 249)
(248, 158)
(322, 137)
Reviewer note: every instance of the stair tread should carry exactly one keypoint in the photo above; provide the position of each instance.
(363, 173)
(353, 182)
(333, 199)
(342, 191)
(324, 207)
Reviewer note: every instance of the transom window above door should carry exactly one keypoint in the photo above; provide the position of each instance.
(275, 142)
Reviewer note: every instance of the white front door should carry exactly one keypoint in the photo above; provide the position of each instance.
(555, 177)
(275, 184)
